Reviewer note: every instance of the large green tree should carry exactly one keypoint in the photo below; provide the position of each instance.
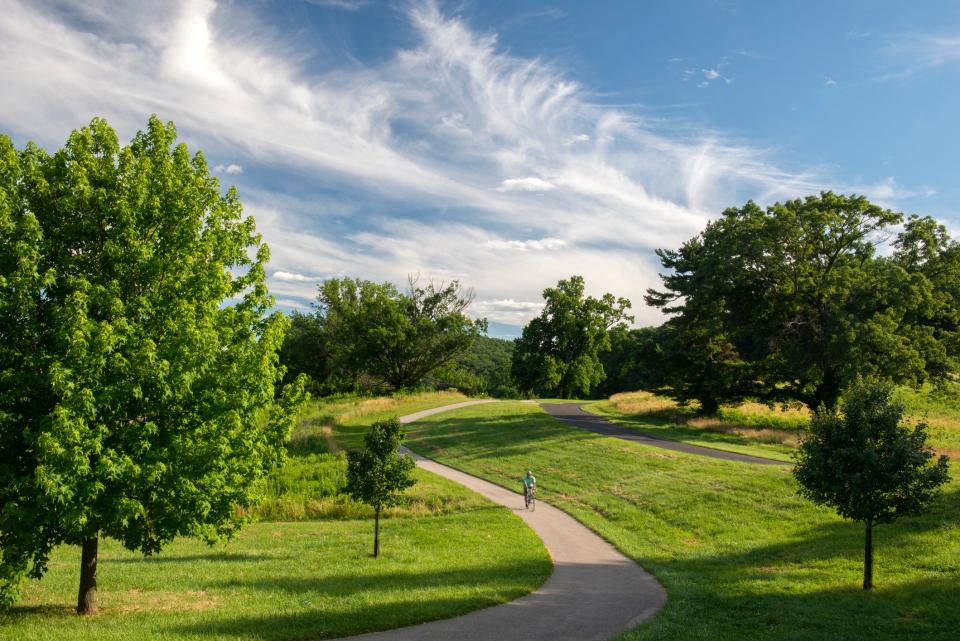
(866, 464)
(138, 363)
(379, 336)
(559, 351)
(792, 302)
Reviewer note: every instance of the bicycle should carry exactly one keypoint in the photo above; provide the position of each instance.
(529, 498)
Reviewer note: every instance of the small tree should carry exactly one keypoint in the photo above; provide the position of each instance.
(866, 464)
(378, 474)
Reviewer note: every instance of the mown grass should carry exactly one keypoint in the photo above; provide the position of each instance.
(755, 428)
(446, 551)
(741, 555)
(283, 581)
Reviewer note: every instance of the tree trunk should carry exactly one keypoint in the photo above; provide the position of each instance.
(376, 533)
(709, 406)
(868, 558)
(87, 597)
(827, 393)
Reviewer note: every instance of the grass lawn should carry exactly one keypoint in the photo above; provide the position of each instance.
(447, 552)
(740, 554)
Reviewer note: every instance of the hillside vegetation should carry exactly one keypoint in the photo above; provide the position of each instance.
(771, 430)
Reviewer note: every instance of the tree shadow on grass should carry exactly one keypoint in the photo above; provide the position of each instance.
(350, 612)
(777, 591)
(213, 557)
(499, 436)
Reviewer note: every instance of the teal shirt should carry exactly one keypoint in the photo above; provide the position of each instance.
(529, 481)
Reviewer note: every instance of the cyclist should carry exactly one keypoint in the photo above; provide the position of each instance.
(529, 487)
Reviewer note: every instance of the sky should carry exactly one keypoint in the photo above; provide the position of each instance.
(505, 144)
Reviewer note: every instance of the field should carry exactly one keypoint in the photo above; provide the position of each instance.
(740, 554)
(309, 579)
(754, 428)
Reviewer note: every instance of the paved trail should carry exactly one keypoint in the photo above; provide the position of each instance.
(572, 414)
(593, 594)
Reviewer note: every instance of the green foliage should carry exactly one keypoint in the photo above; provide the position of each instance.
(559, 351)
(633, 362)
(138, 364)
(305, 352)
(378, 474)
(866, 464)
(369, 336)
(793, 302)
(482, 369)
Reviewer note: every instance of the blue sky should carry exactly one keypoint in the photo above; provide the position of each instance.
(506, 144)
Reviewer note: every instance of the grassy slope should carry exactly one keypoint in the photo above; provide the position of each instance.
(302, 580)
(741, 555)
(658, 425)
(753, 428)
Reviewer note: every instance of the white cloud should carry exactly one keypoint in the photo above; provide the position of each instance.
(524, 245)
(229, 169)
(346, 5)
(572, 140)
(710, 74)
(506, 310)
(429, 129)
(291, 277)
(531, 183)
(830, 82)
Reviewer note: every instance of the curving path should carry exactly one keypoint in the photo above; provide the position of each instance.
(593, 594)
(572, 414)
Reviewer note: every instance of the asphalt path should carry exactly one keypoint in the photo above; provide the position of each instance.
(594, 593)
(572, 414)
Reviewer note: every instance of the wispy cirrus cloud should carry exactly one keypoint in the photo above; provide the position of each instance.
(450, 158)
(913, 53)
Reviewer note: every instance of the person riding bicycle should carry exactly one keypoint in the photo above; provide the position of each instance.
(529, 487)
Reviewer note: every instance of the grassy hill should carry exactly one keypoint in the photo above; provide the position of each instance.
(740, 554)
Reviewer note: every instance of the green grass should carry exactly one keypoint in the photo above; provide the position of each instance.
(310, 485)
(694, 433)
(445, 552)
(287, 581)
(740, 554)
(773, 432)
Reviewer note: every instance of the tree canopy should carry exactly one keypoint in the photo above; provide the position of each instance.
(866, 464)
(370, 335)
(378, 475)
(138, 365)
(792, 302)
(559, 351)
